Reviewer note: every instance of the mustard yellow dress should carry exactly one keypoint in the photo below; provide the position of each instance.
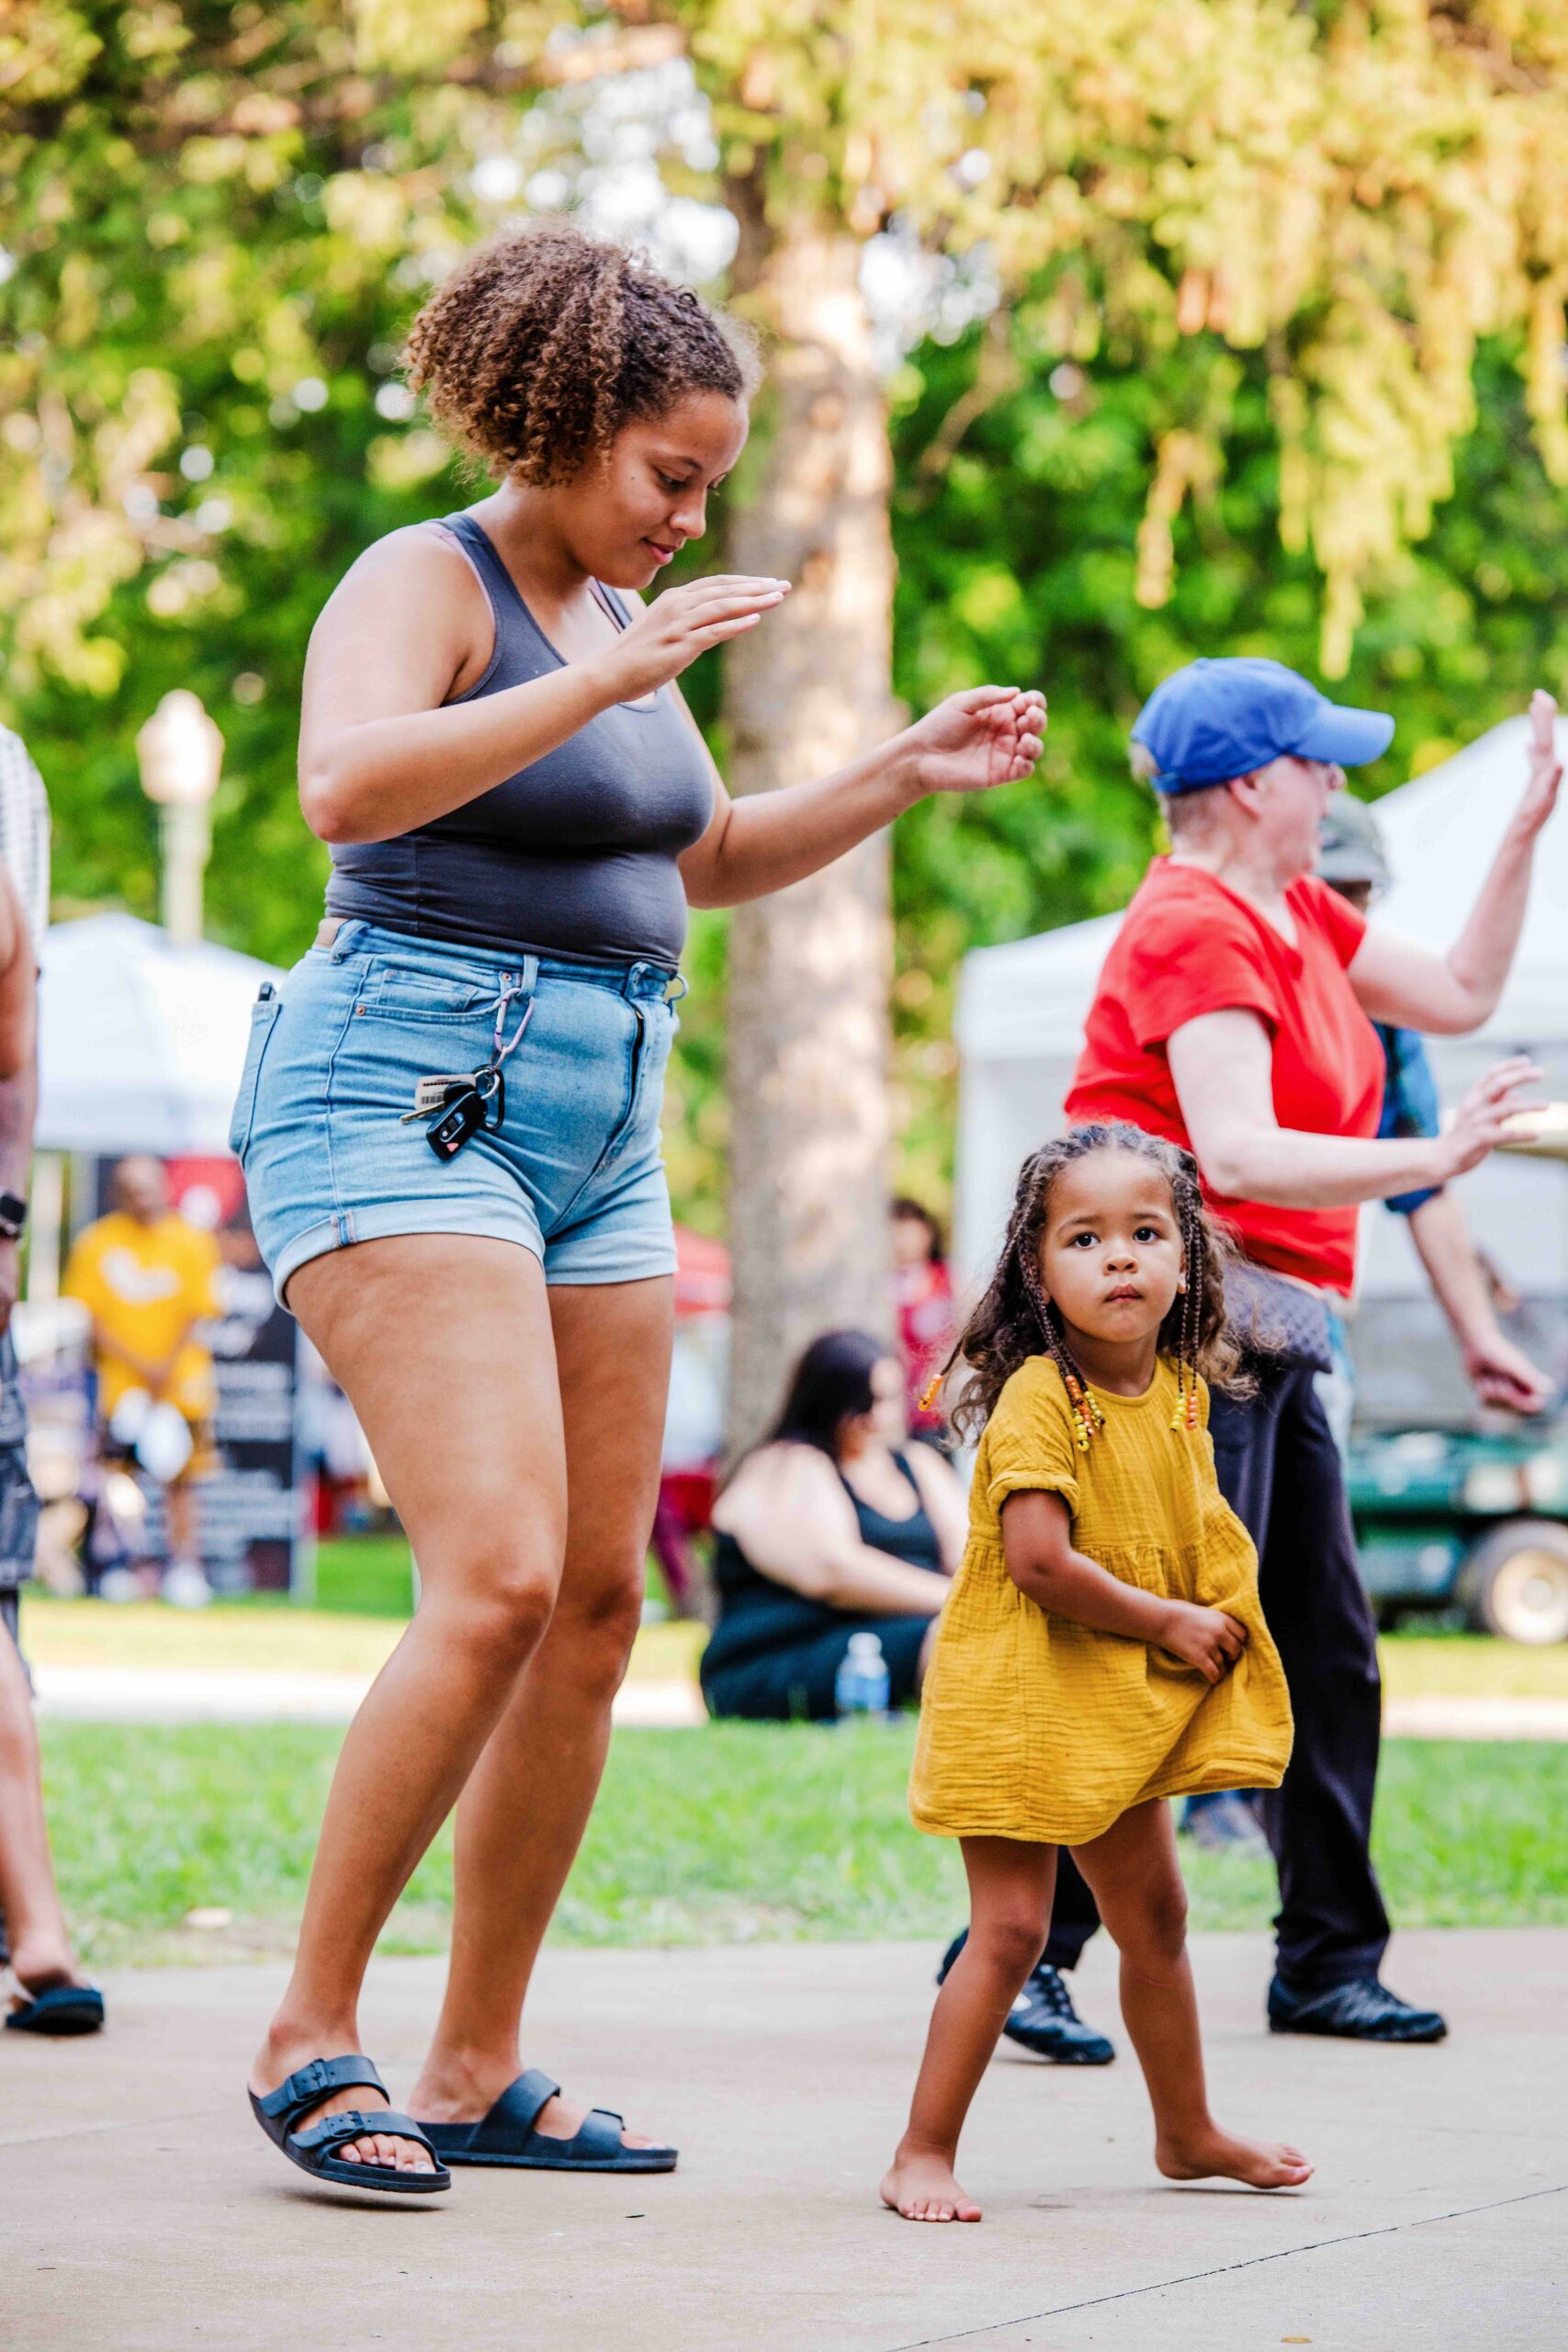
(1036, 1728)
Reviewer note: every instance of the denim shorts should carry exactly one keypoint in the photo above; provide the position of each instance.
(573, 1170)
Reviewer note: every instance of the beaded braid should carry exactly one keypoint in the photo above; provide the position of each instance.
(1191, 1325)
(1088, 1419)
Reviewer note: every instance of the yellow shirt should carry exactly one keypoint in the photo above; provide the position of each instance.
(1036, 1729)
(142, 1285)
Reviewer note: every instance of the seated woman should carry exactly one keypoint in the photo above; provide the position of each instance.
(830, 1527)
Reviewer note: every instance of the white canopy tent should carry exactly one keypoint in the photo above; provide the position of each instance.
(1021, 1011)
(140, 1039)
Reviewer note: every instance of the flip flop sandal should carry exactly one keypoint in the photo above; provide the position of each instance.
(507, 2137)
(311, 2149)
(63, 2008)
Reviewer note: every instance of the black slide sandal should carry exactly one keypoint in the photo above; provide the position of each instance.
(311, 2149)
(60, 2010)
(506, 2138)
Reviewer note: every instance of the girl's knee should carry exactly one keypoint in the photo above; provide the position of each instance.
(1152, 1930)
(1010, 1941)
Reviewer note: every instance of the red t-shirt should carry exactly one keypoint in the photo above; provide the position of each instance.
(1189, 945)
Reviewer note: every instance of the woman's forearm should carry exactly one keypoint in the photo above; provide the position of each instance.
(772, 838)
(876, 1584)
(1480, 956)
(1286, 1167)
(386, 776)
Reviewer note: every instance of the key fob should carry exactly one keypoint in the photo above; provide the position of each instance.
(463, 1120)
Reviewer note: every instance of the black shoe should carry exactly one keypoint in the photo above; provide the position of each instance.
(1043, 2020)
(1361, 2010)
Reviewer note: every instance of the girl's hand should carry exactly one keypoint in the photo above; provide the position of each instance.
(976, 741)
(683, 623)
(1205, 1638)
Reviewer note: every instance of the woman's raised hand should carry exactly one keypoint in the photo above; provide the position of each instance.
(1482, 1119)
(683, 623)
(987, 736)
(1545, 766)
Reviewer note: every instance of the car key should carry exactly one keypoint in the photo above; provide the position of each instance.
(462, 1120)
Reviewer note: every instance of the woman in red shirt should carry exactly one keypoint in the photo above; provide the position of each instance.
(1233, 1015)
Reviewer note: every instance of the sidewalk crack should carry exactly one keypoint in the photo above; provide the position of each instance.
(1222, 2269)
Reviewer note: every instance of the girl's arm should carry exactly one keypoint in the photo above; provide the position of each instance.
(379, 755)
(796, 1524)
(1221, 1065)
(763, 841)
(1037, 1538)
(1449, 995)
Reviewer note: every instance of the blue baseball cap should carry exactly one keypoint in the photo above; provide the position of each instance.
(1218, 720)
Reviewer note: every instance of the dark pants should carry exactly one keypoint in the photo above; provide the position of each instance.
(1280, 1471)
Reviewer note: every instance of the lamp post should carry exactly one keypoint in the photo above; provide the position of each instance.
(180, 752)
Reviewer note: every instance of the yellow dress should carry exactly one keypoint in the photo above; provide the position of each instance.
(1036, 1728)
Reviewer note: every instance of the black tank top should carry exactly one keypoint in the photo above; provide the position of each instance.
(757, 1614)
(574, 856)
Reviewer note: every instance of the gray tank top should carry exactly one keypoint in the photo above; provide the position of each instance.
(572, 856)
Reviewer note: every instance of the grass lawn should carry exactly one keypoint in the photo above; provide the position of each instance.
(717, 1835)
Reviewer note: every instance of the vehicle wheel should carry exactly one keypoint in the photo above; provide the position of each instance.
(1515, 1583)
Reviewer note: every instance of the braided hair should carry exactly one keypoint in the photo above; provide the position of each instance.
(1015, 1320)
(541, 346)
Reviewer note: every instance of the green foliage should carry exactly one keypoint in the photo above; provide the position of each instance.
(711, 1836)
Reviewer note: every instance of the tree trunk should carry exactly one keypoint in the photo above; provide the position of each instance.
(810, 966)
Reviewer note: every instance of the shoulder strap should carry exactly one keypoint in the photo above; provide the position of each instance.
(514, 622)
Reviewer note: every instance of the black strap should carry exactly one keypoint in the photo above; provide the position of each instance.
(308, 2085)
(515, 2114)
(356, 2124)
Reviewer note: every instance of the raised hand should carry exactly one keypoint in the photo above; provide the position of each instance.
(975, 741)
(685, 622)
(1545, 766)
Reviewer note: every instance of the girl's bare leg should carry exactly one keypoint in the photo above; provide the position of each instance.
(443, 1343)
(1011, 1886)
(1137, 1882)
(35, 1924)
(524, 1811)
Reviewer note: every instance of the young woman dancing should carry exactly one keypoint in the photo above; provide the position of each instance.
(449, 1125)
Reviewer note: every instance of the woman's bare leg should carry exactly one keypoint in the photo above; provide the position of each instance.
(1011, 1886)
(526, 1805)
(442, 1344)
(35, 1924)
(1137, 1883)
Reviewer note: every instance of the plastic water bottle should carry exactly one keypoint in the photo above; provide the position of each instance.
(861, 1686)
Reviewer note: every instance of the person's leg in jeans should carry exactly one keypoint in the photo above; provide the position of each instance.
(1331, 1926)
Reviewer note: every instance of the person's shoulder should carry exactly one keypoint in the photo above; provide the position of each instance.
(1182, 912)
(1315, 903)
(1033, 1392)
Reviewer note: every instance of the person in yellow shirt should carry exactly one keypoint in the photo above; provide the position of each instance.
(147, 1279)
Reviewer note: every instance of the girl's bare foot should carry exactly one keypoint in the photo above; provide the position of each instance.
(1210, 2153)
(922, 2188)
(283, 2054)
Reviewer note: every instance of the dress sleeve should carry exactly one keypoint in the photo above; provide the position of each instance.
(1029, 1440)
(1179, 969)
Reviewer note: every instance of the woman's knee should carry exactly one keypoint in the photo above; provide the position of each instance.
(593, 1631)
(498, 1604)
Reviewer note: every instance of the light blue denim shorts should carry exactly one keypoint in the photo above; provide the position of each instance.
(573, 1172)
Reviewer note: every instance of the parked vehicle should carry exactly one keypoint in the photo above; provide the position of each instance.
(1455, 1517)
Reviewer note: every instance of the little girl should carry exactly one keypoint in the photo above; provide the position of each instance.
(1102, 1648)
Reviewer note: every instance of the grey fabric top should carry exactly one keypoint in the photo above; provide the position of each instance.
(574, 856)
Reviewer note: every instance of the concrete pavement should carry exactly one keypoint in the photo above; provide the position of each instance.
(141, 2208)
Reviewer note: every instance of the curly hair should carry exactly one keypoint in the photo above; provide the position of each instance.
(542, 345)
(1014, 1320)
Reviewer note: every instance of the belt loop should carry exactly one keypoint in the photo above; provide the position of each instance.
(529, 977)
(629, 988)
(347, 938)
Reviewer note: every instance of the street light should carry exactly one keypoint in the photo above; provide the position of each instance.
(180, 752)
